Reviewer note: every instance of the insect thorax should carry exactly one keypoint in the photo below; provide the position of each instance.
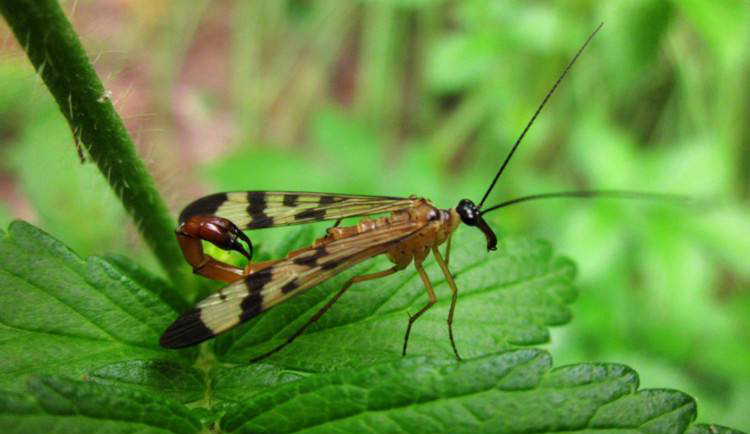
(437, 226)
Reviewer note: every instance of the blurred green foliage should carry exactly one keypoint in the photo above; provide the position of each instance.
(425, 97)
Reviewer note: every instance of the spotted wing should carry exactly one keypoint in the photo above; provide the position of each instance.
(263, 289)
(263, 209)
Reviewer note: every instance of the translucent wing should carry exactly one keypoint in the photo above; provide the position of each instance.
(263, 209)
(263, 289)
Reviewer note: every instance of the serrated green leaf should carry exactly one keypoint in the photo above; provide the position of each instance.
(167, 378)
(511, 392)
(143, 278)
(55, 404)
(98, 321)
(62, 315)
(236, 384)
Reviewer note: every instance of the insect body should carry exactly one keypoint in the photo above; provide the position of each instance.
(412, 230)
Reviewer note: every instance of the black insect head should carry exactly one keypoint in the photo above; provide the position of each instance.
(471, 216)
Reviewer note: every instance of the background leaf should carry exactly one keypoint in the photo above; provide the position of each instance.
(55, 404)
(511, 392)
(63, 315)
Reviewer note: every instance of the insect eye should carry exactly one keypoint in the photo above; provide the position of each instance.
(468, 211)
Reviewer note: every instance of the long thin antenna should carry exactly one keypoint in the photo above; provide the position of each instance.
(539, 109)
(591, 194)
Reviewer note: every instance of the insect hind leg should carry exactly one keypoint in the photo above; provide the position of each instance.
(454, 296)
(334, 299)
(433, 299)
(430, 303)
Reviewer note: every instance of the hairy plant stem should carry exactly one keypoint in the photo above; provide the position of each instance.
(43, 31)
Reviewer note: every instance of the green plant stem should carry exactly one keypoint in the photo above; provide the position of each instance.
(41, 28)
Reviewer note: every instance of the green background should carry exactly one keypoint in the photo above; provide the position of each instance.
(425, 97)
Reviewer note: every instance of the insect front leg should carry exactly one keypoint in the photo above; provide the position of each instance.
(220, 232)
(327, 306)
(431, 301)
(448, 249)
(454, 295)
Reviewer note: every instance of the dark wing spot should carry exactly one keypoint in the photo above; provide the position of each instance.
(256, 281)
(312, 259)
(290, 200)
(251, 305)
(314, 214)
(256, 203)
(256, 208)
(204, 206)
(307, 261)
(289, 287)
(260, 222)
(330, 264)
(325, 200)
(187, 330)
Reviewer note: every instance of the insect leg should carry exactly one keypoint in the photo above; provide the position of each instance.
(448, 250)
(218, 231)
(430, 302)
(327, 306)
(454, 296)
